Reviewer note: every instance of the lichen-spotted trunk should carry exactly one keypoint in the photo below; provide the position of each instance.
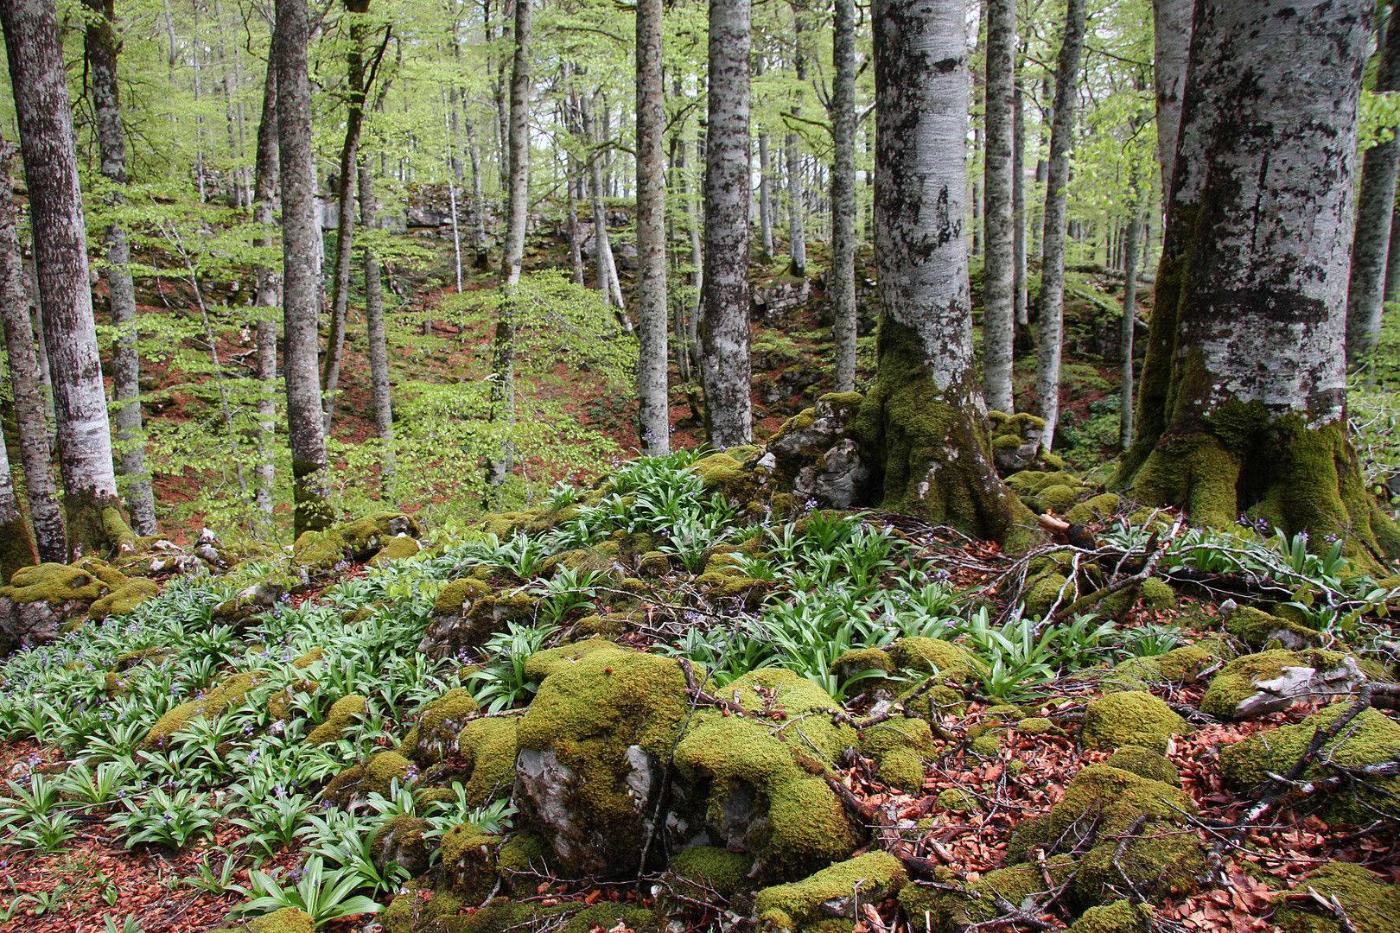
(1247, 409)
(921, 426)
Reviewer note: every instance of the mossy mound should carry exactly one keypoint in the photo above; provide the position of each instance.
(551, 660)
(591, 748)
(959, 800)
(342, 713)
(440, 722)
(760, 778)
(835, 891)
(1370, 738)
(123, 599)
(58, 584)
(420, 909)
(400, 841)
(1131, 717)
(1260, 630)
(217, 699)
(899, 747)
(1272, 680)
(376, 775)
(1180, 666)
(1162, 860)
(399, 547)
(467, 861)
(487, 749)
(934, 656)
(1145, 763)
(711, 868)
(1371, 905)
(1105, 799)
(285, 920)
(1118, 917)
(353, 541)
(1094, 509)
(944, 911)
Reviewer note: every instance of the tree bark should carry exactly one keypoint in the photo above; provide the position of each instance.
(374, 326)
(1255, 418)
(797, 236)
(608, 282)
(999, 312)
(101, 47)
(301, 271)
(1371, 242)
(842, 284)
(45, 116)
(30, 409)
(1126, 333)
(655, 409)
(724, 327)
(1171, 37)
(765, 196)
(266, 199)
(1020, 291)
(921, 427)
(1052, 273)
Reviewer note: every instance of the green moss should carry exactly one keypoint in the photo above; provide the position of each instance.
(855, 660)
(712, 868)
(382, 769)
(95, 524)
(1179, 666)
(987, 745)
(520, 860)
(16, 547)
(1131, 717)
(1104, 799)
(980, 901)
(543, 663)
(1058, 498)
(1162, 860)
(1371, 905)
(1156, 594)
(453, 598)
(1096, 509)
(1144, 762)
(724, 472)
(934, 656)
(286, 920)
(320, 550)
(929, 454)
(435, 733)
(53, 583)
(1238, 680)
(227, 693)
(488, 747)
(1037, 725)
(468, 861)
(342, 713)
(420, 909)
(123, 599)
(1370, 738)
(1259, 630)
(399, 547)
(1118, 917)
(606, 916)
(400, 840)
(959, 800)
(839, 888)
(1043, 590)
(654, 564)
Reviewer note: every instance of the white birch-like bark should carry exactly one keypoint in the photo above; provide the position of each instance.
(45, 118)
(654, 415)
(999, 312)
(266, 199)
(1171, 37)
(842, 284)
(792, 152)
(374, 326)
(724, 328)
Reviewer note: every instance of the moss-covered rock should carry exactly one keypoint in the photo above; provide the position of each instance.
(1260, 630)
(439, 723)
(592, 747)
(1122, 916)
(959, 800)
(1146, 763)
(952, 663)
(1273, 680)
(123, 599)
(899, 747)
(421, 909)
(762, 776)
(1371, 904)
(354, 541)
(1131, 717)
(1371, 738)
(834, 891)
(944, 911)
(710, 868)
(1095, 509)
(654, 564)
(1182, 666)
(1104, 800)
(487, 750)
(216, 700)
(400, 841)
(399, 547)
(467, 861)
(521, 860)
(342, 713)
(1161, 860)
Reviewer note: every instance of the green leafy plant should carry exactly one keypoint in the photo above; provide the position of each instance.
(166, 819)
(324, 895)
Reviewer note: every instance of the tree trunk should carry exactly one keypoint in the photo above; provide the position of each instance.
(1125, 342)
(301, 271)
(374, 325)
(1255, 407)
(1052, 273)
(1020, 290)
(483, 258)
(842, 278)
(797, 237)
(101, 48)
(1171, 36)
(999, 312)
(17, 545)
(921, 428)
(266, 199)
(655, 413)
(1392, 260)
(724, 328)
(765, 196)
(45, 116)
(1371, 241)
(30, 418)
(608, 282)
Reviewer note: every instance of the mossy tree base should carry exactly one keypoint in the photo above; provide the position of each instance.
(929, 450)
(1296, 477)
(96, 525)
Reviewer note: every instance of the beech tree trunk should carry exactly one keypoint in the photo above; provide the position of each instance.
(301, 270)
(1020, 290)
(1255, 407)
(1371, 241)
(17, 545)
(266, 199)
(724, 328)
(1126, 333)
(101, 47)
(792, 152)
(608, 282)
(25, 386)
(45, 116)
(999, 312)
(842, 277)
(1052, 273)
(1171, 37)
(655, 410)
(765, 196)
(921, 428)
(374, 326)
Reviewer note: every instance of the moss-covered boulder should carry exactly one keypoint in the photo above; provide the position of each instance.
(1145, 763)
(1123, 916)
(319, 551)
(592, 750)
(1103, 800)
(487, 748)
(705, 869)
(468, 611)
(1180, 666)
(946, 911)
(400, 841)
(41, 600)
(1270, 681)
(1371, 905)
(342, 713)
(1370, 738)
(467, 861)
(219, 698)
(899, 747)
(284, 920)
(815, 455)
(950, 662)
(421, 909)
(1131, 717)
(399, 547)
(835, 891)
(1260, 630)
(760, 779)
(123, 599)
(1016, 441)
(439, 723)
